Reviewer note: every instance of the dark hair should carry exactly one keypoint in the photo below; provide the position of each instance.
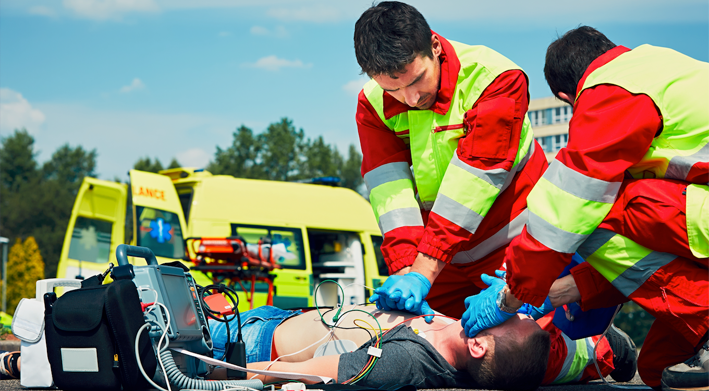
(516, 364)
(390, 35)
(569, 56)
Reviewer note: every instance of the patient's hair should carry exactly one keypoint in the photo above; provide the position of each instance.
(516, 364)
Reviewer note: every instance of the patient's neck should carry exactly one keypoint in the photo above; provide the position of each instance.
(451, 343)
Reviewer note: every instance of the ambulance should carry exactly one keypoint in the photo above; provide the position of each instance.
(329, 233)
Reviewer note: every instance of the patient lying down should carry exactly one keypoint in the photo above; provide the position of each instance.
(437, 355)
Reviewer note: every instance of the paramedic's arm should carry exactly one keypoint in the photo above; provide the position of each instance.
(320, 366)
(611, 130)
(386, 162)
(481, 165)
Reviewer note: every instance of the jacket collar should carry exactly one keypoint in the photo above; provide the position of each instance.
(450, 67)
(600, 61)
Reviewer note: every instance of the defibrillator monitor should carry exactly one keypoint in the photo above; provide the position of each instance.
(180, 316)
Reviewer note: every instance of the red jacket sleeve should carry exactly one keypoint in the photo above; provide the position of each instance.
(611, 130)
(493, 127)
(381, 146)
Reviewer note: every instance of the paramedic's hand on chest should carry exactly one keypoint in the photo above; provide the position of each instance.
(408, 292)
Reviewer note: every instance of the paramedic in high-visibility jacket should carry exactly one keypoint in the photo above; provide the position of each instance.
(448, 155)
(630, 193)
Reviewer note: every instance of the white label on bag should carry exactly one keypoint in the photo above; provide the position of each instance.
(79, 360)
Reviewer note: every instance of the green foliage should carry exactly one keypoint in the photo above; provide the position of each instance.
(635, 321)
(174, 164)
(38, 202)
(145, 164)
(283, 153)
(24, 267)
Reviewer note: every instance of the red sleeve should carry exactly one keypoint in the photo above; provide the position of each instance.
(611, 130)
(381, 146)
(596, 291)
(493, 128)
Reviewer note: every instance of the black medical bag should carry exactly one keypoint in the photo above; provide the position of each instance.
(91, 338)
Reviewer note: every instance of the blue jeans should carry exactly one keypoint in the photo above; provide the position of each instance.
(257, 329)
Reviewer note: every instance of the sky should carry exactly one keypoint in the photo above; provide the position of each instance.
(175, 78)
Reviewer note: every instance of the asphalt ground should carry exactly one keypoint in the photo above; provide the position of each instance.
(596, 385)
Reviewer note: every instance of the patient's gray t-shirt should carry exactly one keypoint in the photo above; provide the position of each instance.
(406, 359)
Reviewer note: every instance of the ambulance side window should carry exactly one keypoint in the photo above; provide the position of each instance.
(90, 240)
(160, 231)
(287, 241)
(381, 263)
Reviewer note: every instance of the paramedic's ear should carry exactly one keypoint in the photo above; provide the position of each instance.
(566, 98)
(479, 345)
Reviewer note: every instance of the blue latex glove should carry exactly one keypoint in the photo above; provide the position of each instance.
(537, 312)
(481, 310)
(404, 293)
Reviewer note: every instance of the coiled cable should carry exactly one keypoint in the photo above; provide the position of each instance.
(178, 379)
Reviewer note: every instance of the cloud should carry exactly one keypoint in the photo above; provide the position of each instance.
(278, 32)
(224, 34)
(354, 86)
(42, 10)
(16, 113)
(135, 85)
(273, 63)
(193, 157)
(109, 9)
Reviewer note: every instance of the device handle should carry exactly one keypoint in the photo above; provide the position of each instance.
(124, 250)
(48, 285)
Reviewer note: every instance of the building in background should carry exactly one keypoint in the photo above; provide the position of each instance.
(550, 120)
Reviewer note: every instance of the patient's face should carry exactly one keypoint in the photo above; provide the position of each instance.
(520, 325)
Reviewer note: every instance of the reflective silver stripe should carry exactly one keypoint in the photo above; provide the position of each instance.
(387, 173)
(526, 157)
(633, 277)
(425, 205)
(496, 177)
(679, 166)
(519, 167)
(570, 354)
(499, 239)
(596, 240)
(582, 186)
(457, 213)
(555, 238)
(404, 217)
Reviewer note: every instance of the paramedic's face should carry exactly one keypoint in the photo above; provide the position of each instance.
(417, 85)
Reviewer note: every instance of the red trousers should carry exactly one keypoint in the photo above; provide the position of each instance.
(652, 213)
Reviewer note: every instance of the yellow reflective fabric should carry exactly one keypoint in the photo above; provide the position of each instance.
(698, 220)
(677, 84)
(479, 200)
(392, 195)
(616, 256)
(556, 207)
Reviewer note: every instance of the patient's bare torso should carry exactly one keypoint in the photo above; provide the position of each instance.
(307, 329)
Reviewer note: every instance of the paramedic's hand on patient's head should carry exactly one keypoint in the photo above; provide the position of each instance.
(537, 312)
(482, 310)
(404, 293)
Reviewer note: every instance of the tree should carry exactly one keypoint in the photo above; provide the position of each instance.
(239, 159)
(17, 159)
(145, 164)
(24, 268)
(282, 149)
(174, 164)
(38, 203)
(320, 160)
(351, 173)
